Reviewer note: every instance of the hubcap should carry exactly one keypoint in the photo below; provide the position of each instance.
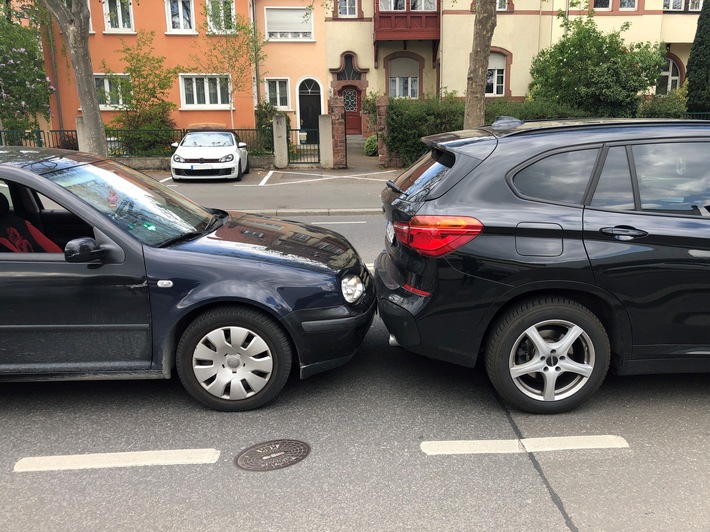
(551, 360)
(232, 363)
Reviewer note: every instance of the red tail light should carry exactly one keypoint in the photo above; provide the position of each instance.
(435, 236)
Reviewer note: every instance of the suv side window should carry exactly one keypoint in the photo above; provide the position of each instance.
(559, 178)
(614, 190)
(673, 177)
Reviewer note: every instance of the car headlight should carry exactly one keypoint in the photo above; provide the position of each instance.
(227, 158)
(352, 287)
(178, 159)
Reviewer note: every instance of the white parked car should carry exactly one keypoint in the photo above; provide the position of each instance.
(210, 154)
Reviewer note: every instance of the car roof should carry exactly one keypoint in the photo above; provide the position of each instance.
(44, 160)
(505, 127)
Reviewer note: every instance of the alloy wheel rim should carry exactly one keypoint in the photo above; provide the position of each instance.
(551, 360)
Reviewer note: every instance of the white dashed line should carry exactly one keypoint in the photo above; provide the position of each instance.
(108, 460)
(526, 445)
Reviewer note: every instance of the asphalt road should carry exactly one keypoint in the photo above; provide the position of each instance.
(369, 425)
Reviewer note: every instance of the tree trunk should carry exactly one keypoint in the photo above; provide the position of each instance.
(74, 24)
(483, 29)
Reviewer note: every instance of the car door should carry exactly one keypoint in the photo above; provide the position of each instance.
(60, 317)
(647, 233)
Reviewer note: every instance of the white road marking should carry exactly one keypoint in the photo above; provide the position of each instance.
(526, 445)
(108, 460)
(266, 178)
(166, 179)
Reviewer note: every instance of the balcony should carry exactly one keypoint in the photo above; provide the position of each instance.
(407, 20)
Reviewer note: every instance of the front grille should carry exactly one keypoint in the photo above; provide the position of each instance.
(201, 161)
(203, 173)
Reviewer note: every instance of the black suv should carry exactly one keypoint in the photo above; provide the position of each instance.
(553, 249)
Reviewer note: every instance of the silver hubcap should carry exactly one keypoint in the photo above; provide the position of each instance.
(232, 363)
(551, 360)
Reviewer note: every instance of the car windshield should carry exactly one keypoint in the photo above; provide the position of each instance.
(147, 210)
(207, 140)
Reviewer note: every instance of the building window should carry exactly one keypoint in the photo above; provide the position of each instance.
(109, 91)
(181, 16)
(221, 16)
(423, 5)
(349, 72)
(404, 78)
(118, 15)
(602, 4)
(673, 5)
(501, 5)
(495, 77)
(347, 8)
(277, 93)
(695, 5)
(628, 4)
(204, 92)
(393, 5)
(289, 24)
(670, 78)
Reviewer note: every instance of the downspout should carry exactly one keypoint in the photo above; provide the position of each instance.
(256, 55)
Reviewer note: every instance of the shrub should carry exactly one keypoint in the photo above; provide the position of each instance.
(537, 109)
(671, 105)
(370, 147)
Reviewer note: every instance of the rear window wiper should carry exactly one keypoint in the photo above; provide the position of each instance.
(391, 184)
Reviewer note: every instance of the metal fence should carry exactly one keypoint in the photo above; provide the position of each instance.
(698, 116)
(37, 138)
(303, 146)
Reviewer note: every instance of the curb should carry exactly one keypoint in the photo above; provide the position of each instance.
(313, 212)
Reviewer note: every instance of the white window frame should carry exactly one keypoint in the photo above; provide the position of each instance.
(670, 7)
(350, 6)
(267, 92)
(667, 72)
(393, 5)
(169, 18)
(602, 8)
(274, 34)
(412, 91)
(221, 4)
(197, 79)
(631, 8)
(428, 6)
(119, 17)
(91, 24)
(695, 9)
(109, 106)
(501, 5)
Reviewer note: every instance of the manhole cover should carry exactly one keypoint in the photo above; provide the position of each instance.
(273, 455)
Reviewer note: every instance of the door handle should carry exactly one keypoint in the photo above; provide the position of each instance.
(623, 232)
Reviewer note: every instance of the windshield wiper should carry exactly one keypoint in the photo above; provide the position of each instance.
(214, 221)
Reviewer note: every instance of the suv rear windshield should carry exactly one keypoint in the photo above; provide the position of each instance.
(419, 179)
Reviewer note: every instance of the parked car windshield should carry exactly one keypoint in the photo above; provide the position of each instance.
(147, 210)
(213, 139)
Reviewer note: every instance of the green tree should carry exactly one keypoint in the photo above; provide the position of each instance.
(231, 46)
(73, 20)
(142, 96)
(24, 85)
(595, 72)
(699, 65)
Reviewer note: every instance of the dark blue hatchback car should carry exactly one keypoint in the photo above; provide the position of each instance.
(105, 273)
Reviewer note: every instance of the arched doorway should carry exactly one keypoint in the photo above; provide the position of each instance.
(309, 108)
(349, 82)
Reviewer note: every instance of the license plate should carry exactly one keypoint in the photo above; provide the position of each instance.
(390, 232)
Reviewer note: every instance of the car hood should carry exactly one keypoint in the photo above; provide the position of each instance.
(275, 240)
(208, 152)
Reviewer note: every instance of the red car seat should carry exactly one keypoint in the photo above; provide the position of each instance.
(20, 236)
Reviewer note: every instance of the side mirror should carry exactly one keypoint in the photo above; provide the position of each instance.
(242, 144)
(174, 144)
(83, 250)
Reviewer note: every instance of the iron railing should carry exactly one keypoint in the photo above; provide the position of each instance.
(303, 146)
(37, 138)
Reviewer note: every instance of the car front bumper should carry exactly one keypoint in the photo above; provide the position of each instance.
(328, 338)
(204, 171)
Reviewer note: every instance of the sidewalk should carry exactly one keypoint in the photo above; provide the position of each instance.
(297, 191)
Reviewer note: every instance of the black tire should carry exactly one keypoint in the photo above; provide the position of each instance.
(247, 168)
(249, 367)
(544, 378)
(239, 172)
